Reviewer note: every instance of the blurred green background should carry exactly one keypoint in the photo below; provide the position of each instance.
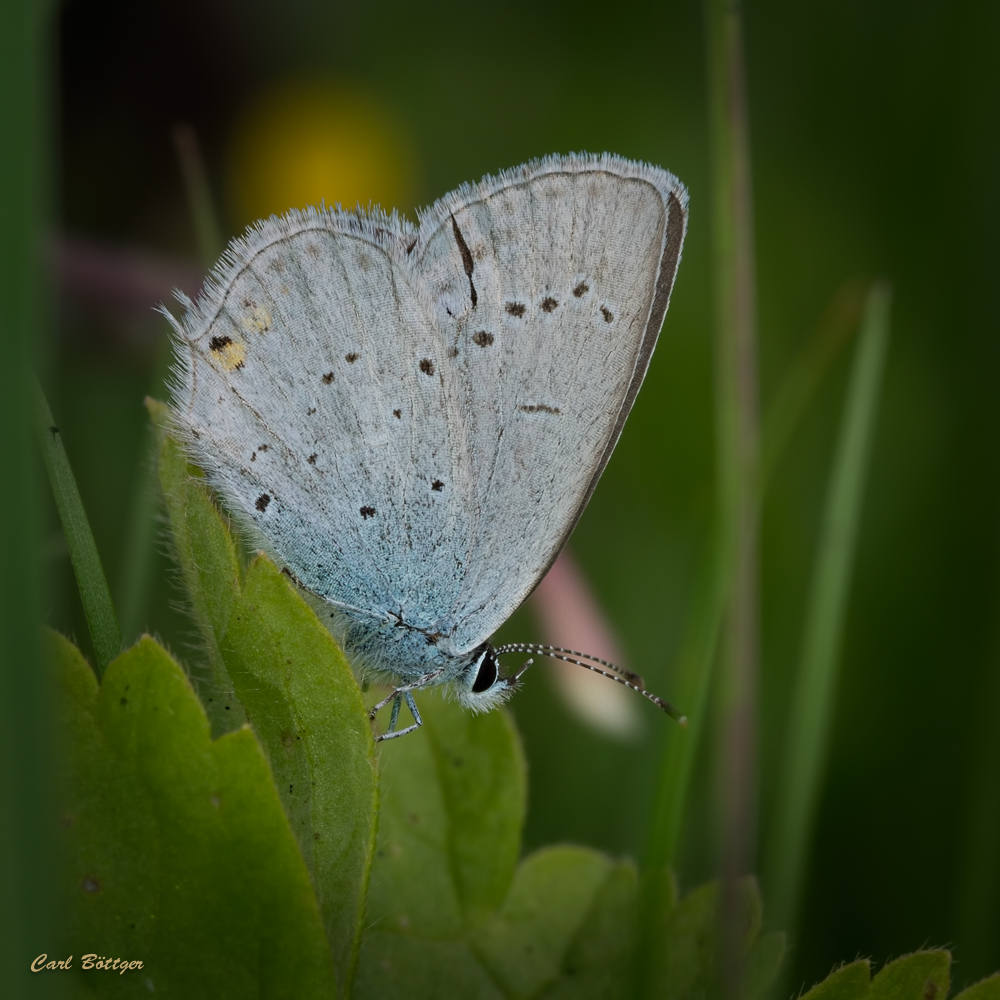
(876, 153)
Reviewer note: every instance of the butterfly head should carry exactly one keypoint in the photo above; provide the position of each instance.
(481, 687)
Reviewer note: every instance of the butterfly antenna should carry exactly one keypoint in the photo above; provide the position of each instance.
(598, 666)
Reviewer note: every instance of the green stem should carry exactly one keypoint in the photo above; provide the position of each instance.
(101, 621)
(737, 435)
(813, 698)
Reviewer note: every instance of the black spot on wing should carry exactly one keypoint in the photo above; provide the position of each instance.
(467, 262)
(482, 338)
(549, 304)
(367, 512)
(352, 357)
(262, 501)
(398, 414)
(581, 289)
(607, 314)
(327, 378)
(427, 366)
(539, 408)
(437, 486)
(312, 458)
(515, 309)
(220, 343)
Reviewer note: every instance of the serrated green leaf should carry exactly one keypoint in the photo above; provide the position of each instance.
(596, 965)
(305, 706)
(924, 975)
(453, 799)
(690, 946)
(177, 852)
(423, 891)
(452, 807)
(450, 914)
(690, 966)
(294, 684)
(985, 989)
(481, 773)
(524, 943)
(849, 982)
(658, 897)
(395, 963)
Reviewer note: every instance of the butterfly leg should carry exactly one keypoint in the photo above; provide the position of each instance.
(375, 709)
(391, 733)
(394, 715)
(396, 697)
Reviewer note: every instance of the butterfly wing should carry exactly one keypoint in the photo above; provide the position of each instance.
(550, 285)
(413, 420)
(311, 389)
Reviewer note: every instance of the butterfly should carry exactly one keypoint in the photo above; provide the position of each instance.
(411, 419)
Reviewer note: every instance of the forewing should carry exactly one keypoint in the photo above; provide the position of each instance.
(550, 285)
(316, 399)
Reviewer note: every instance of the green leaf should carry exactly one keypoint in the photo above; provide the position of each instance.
(923, 975)
(177, 852)
(295, 686)
(443, 860)
(523, 945)
(453, 799)
(690, 967)
(985, 989)
(598, 961)
(450, 913)
(305, 706)
(692, 931)
(657, 898)
(849, 982)
(764, 963)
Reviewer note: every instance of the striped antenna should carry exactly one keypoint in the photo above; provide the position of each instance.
(594, 663)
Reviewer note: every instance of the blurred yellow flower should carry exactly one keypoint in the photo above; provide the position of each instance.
(304, 141)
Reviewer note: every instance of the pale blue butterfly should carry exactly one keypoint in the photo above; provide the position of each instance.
(412, 419)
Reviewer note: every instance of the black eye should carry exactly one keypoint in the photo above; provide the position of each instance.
(487, 675)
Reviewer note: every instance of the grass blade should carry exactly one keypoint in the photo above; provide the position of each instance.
(101, 620)
(813, 699)
(691, 682)
(199, 195)
(27, 773)
(737, 476)
(690, 685)
(831, 334)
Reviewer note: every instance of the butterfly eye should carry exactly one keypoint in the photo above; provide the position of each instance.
(486, 677)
